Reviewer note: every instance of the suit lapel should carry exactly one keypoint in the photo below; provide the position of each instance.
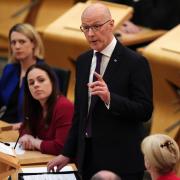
(85, 76)
(87, 66)
(114, 62)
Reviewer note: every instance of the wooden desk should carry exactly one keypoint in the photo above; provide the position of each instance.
(4, 126)
(165, 67)
(8, 10)
(9, 136)
(34, 157)
(145, 35)
(64, 41)
(164, 57)
(30, 157)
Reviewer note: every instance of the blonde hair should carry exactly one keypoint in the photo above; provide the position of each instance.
(28, 31)
(161, 152)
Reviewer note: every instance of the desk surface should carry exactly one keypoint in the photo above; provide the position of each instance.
(62, 27)
(145, 35)
(164, 57)
(34, 157)
(5, 126)
(10, 135)
(166, 47)
(30, 157)
(9, 17)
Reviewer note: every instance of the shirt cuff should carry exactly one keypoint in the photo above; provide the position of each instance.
(107, 105)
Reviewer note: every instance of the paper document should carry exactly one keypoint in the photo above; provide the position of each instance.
(50, 177)
(6, 149)
(44, 169)
(35, 170)
(18, 150)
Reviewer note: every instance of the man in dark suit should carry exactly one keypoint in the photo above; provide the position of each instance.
(109, 112)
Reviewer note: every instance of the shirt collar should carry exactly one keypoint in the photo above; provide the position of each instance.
(109, 49)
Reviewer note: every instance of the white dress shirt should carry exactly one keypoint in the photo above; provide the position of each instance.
(106, 54)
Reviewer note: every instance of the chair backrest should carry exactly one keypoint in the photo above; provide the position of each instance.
(63, 76)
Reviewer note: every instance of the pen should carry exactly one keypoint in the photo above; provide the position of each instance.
(16, 141)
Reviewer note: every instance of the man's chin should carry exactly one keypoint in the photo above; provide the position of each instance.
(95, 47)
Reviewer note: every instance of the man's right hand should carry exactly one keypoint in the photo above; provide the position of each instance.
(59, 162)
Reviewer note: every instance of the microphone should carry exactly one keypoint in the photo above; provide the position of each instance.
(2, 111)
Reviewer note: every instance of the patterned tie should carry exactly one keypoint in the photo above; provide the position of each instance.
(98, 64)
(93, 98)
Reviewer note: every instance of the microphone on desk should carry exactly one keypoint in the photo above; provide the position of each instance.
(2, 111)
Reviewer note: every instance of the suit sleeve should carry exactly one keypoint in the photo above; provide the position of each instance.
(70, 147)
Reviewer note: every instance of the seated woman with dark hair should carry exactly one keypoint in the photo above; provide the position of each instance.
(161, 154)
(48, 114)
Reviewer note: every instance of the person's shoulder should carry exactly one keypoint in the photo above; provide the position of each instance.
(10, 67)
(40, 61)
(85, 55)
(62, 101)
(129, 54)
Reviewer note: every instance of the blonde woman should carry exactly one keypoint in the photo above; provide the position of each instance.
(161, 154)
(25, 49)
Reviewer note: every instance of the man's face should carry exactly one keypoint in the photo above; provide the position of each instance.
(97, 30)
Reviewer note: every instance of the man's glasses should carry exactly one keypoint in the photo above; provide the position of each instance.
(94, 28)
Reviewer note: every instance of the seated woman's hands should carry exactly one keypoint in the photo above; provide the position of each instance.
(28, 142)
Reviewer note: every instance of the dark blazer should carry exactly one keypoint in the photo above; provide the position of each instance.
(117, 132)
(8, 83)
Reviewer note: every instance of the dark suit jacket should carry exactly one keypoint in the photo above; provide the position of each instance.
(117, 132)
(8, 83)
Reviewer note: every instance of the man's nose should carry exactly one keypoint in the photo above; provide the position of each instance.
(90, 32)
